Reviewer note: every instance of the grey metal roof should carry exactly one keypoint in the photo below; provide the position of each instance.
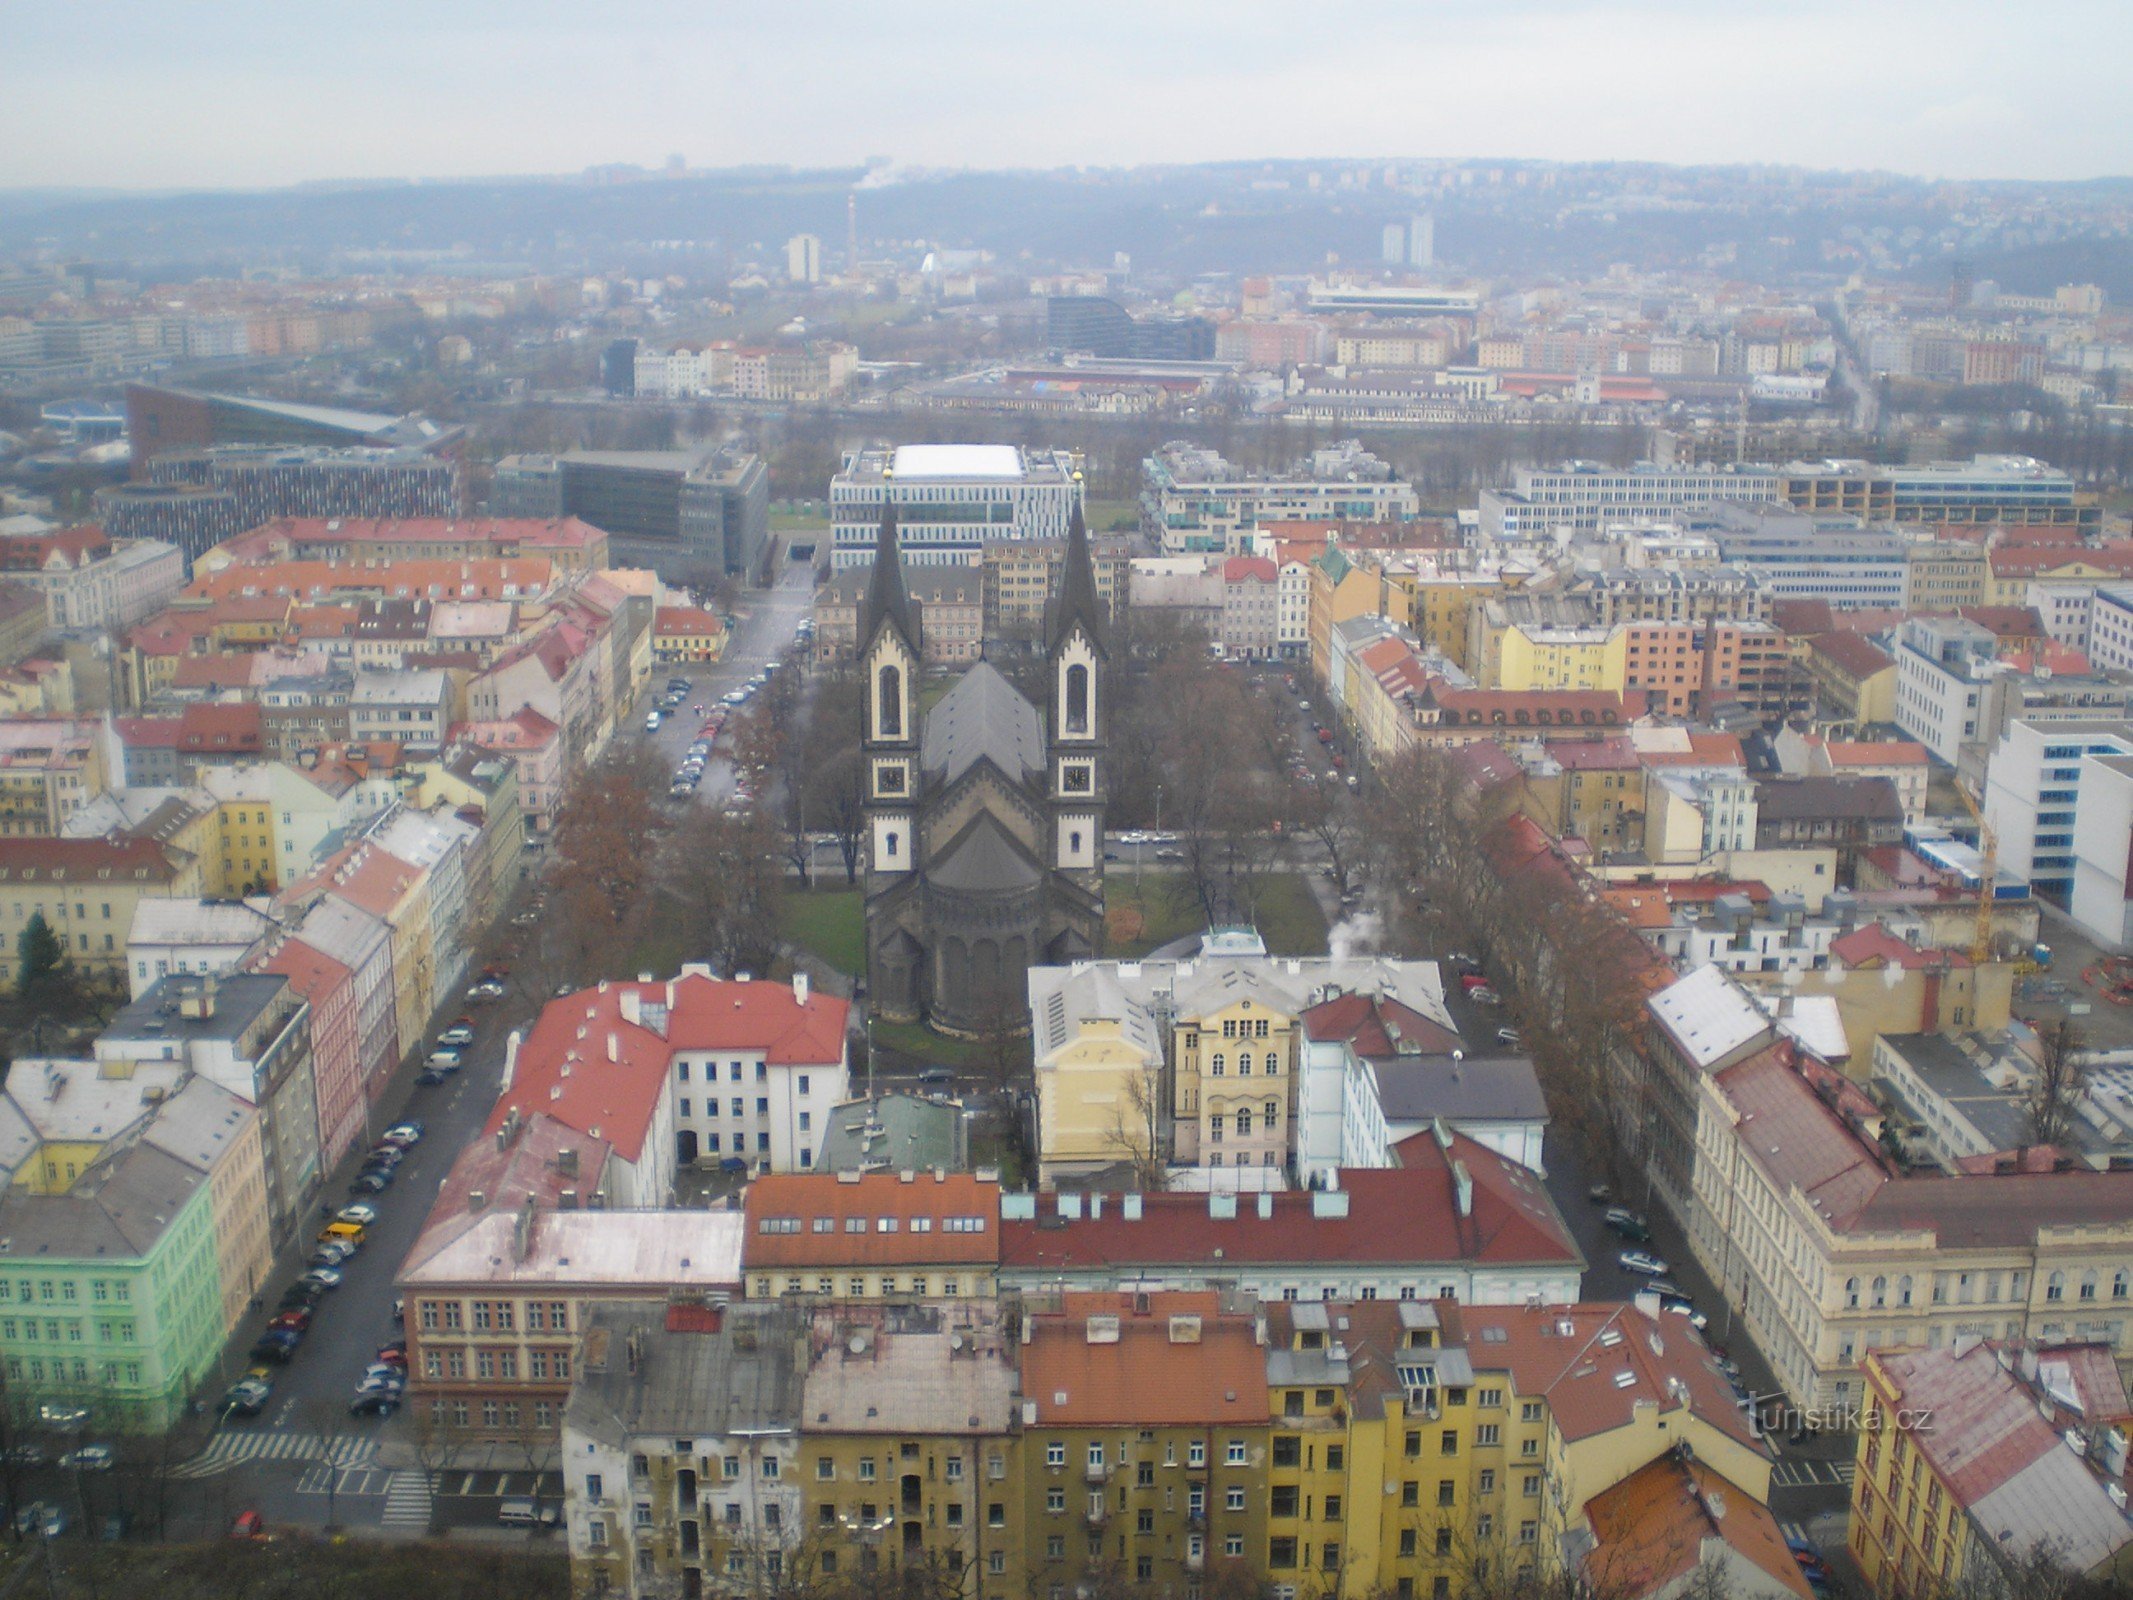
(744, 1378)
(1476, 1089)
(912, 1132)
(983, 717)
(119, 1208)
(158, 1014)
(986, 857)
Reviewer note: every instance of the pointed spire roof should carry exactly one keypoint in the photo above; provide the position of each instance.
(1078, 600)
(887, 599)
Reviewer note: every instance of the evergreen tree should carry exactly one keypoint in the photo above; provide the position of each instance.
(42, 958)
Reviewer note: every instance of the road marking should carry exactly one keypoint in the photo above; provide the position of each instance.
(407, 1501)
(227, 1450)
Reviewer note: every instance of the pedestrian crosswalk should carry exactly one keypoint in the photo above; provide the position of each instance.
(407, 1501)
(318, 1478)
(234, 1447)
(1798, 1472)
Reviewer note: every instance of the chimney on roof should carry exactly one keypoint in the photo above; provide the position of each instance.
(614, 1049)
(1463, 1187)
(1129, 1207)
(799, 988)
(632, 1007)
(477, 1200)
(1266, 1205)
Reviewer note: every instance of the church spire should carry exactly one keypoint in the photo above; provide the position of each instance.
(1078, 602)
(887, 599)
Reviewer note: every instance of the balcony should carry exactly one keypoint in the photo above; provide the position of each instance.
(1096, 1472)
(1195, 1563)
(1098, 1514)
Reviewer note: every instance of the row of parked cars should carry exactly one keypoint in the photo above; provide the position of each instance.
(338, 1243)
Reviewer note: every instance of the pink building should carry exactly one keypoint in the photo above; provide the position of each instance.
(336, 1042)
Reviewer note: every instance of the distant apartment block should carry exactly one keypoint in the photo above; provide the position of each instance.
(1585, 497)
(1984, 489)
(1195, 502)
(666, 507)
(952, 500)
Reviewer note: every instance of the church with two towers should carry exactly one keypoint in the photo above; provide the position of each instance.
(985, 814)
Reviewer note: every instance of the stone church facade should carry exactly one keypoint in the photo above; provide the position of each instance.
(985, 815)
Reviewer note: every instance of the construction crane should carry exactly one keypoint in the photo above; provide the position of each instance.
(1988, 874)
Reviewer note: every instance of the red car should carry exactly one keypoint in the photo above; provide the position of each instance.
(297, 1317)
(249, 1525)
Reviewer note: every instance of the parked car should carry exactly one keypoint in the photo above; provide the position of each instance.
(457, 1036)
(443, 1060)
(385, 1372)
(324, 1277)
(1642, 1262)
(331, 1254)
(408, 1133)
(489, 989)
(89, 1458)
(1470, 981)
(1686, 1308)
(247, 1398)
(394, 1353)
(248, 1525)
(1484, 997)
(374, 1405)
(1509, 1039)
(430, 1077)
(297, 1318)
(26, 1455)
(361, 1215)
(1599, 1194)
(371, 1180)
(301, 1293)
(41, 1517)
(385, 1155)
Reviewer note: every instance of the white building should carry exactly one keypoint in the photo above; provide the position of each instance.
(1942, 668)
(1584, 496)
(1493, 1100)
(2110, 636)
(413, 708)
(192, 935)
(1195, 502)
(1292, 609)
(2065, 609)
(803, 258)
(951, 499)
(680, 1449)
(2034, 791)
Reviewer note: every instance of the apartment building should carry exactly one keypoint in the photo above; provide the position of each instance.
(1208, 1047)
(1144, 1446)
(1449, 1219)
(49, 768)
(1986, 489)
(138, 1237)
(951, 500)
(86, 891)
(868, 1235)
(1977, 1460)
(1827, 1250)
(1584, 497)
(1195, 502)
(681, 1450)
(910, 1442)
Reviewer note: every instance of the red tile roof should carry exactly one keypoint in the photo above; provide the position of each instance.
(1249, 569)
(222, 729)
(1376, 1025)
(1400, 1215)
(84, 860)
(1651, 1530)
(686, 620)
(1871, 945)
(33, 552)
(832, 1220)
(613, 1077)
(1575, 1355)
(1150, 1375)
(1853, 655)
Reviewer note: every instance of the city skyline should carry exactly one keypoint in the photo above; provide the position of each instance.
(1946, 92)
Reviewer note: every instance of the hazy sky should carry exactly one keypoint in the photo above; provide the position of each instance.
(235, 92)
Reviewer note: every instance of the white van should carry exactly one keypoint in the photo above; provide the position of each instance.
(525, 1514)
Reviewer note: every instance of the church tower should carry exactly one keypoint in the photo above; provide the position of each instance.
(1075, 721)
(889, 656)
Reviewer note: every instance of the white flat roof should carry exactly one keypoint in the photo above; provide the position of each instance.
(958, 461)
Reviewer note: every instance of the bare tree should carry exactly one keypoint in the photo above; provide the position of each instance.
(1138, 1128)
(2053, 1098)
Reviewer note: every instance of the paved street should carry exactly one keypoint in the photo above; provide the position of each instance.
(283, 1461)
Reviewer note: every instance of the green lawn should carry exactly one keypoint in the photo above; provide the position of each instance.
(1289, 919)
(830, 924)
(1105, 515)
(922, 1043)
(798, 522)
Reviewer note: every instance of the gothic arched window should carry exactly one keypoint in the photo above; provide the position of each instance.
(890, 721)
(1077, 699)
